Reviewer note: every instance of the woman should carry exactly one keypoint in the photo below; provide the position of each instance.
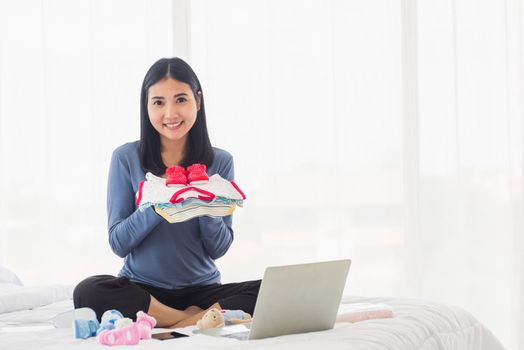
(169, 270)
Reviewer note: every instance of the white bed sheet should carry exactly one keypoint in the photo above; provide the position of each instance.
(417, 324)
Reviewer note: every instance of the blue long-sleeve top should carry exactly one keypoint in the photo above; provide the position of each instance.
(155, 252)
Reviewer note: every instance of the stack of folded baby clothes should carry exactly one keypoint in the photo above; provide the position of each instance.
(187, 194)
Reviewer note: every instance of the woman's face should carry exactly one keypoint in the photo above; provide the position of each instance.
(172, 109)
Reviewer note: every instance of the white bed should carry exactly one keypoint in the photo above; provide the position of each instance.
(417, 324)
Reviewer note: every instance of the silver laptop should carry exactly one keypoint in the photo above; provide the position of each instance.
(295, 299)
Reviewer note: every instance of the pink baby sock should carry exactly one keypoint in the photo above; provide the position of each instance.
(144, 324)
(128, 335)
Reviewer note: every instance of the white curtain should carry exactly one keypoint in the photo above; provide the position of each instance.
(389, 132)
(70, 77)
(386, 131)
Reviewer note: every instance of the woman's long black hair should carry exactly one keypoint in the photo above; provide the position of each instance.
(198, 146)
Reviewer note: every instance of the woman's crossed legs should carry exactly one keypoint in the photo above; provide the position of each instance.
(171, 308)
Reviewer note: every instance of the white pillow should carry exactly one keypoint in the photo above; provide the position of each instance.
(8, 276)
(16, 298)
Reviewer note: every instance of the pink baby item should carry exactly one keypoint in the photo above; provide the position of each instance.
(190, 191)
(144, 324)
(176, 176)
(128, 335)
(357, 312)
(196, 174)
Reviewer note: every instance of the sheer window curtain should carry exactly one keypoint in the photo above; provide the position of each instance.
(70, 77)
(385, 131)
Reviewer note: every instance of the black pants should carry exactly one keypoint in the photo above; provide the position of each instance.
(105, 292)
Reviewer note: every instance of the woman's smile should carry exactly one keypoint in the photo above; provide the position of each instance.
(173, 126)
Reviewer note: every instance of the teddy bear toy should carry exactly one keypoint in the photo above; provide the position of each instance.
(215, 318)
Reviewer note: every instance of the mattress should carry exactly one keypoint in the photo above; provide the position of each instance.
(417, 324)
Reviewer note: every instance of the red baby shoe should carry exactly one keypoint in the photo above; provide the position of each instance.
(197, 174)
(176, 176)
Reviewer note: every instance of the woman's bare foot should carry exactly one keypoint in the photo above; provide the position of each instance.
(193, 310)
